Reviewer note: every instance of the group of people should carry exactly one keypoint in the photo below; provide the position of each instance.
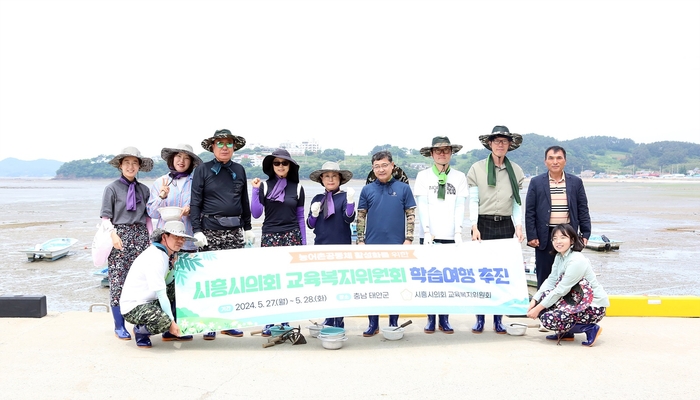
(216, 215)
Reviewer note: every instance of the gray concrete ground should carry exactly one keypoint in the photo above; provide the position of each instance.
(74, 355)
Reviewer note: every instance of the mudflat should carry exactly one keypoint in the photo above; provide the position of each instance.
(658, 221)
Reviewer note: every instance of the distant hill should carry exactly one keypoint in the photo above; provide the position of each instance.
(600, 154)
(42, 168)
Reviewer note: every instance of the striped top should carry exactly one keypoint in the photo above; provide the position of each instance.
(560, 209)
(179, 196)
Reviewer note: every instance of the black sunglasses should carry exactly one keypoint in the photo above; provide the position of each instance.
(282, 163)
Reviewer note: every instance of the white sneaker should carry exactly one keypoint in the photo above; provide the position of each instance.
(542, 328)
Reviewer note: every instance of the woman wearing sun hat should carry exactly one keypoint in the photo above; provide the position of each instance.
(146, 302)
(124, 213)
(570, 300)
(332, 212)
(219, 205)
(282, 199)
(174, 188)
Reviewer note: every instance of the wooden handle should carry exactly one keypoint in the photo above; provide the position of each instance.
(268, 344)
(405, 324)
(256, 332)
(274, 339)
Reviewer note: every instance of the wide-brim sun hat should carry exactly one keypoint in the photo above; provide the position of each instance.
(499, 130)
(168, 152)
(145, 165)
(268, 169)
(440, 141)
(330, 166)
(238, 141)
(177, 228)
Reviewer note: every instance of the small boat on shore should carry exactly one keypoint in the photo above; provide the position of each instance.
(602, 243)
(50, 250)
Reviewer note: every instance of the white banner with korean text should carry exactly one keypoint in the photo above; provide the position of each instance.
(255, 286)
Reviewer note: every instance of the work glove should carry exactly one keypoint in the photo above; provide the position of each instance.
(315, 209)
(350, 195)
(427, 238)
(249, 238)
(200, 239)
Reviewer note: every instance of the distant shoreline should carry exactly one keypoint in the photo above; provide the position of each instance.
(606, 180)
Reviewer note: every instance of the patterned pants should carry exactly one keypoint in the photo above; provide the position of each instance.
(134, 241)
(561, 321)
(223, 239)
(150, 315)
(291, 238)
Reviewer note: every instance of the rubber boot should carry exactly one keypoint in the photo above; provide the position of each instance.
(444, 324)
(142, 336)
(232, 332)
(266, 331)
(592, 332)
(498, 326)
(209, 336)
(393, 320)
(119, 328)
(373, 327)
(430, 328)
(169, 337)
(329, 322)
(479, 326)
(339, 322)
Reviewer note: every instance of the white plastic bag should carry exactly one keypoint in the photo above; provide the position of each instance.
(101, 245)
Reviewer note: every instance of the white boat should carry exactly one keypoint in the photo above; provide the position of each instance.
(50, 250)
(602, 243)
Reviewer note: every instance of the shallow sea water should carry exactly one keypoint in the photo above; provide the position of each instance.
(658, 221)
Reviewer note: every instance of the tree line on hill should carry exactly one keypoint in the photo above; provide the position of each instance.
(597, 153)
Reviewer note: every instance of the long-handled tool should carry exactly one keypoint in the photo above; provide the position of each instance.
(405, 324)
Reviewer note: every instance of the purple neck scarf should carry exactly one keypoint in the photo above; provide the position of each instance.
(133, 197)
(177, 175)
(277, 192)
(328, 205)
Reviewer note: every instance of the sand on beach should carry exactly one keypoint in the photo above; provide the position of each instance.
(658, 221)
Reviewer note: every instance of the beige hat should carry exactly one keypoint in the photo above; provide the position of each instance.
(168, 152)
(330, 166)
(177, 228)
(146, 163)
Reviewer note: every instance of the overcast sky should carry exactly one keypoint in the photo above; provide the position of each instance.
(82, 78)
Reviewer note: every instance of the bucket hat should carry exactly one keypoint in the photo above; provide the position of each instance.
(267, 168)
(440, 141)
(330, 166)
(168, 152)
(238, 141)
(176, 228)
(145, 165)
(499, 130)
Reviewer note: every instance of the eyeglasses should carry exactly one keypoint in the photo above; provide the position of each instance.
(500, 141)
(444, 150)
(282, 163)
(380, 166)
(222, 144)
